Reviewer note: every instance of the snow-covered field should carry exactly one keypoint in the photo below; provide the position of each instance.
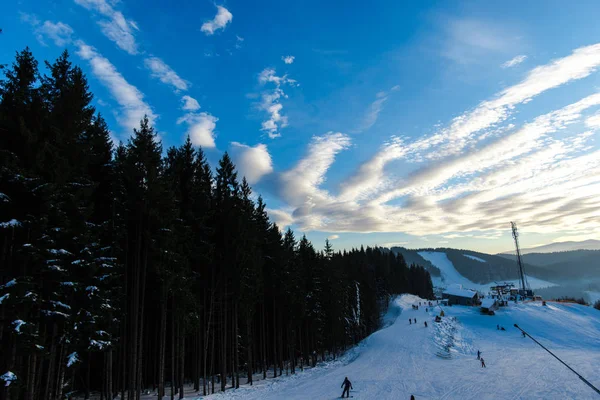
(450, 276)
(439, 362)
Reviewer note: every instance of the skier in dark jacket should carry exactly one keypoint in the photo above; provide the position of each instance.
(347, 385)
(478, 354)
(410, 321)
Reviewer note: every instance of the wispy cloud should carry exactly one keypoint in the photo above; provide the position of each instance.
(271, 101)
(542, 173)
(333, 237)
(30, 19)
(288, 59)
(468, 40)
(61, 34)
(513, 62)
(451, 140)
(238, 41)
(190, 104)
(375, 109)
(114, 25)
(253, 162)
(201, 128)
(300, 186)
(160, 70)
(220, 21)
(131, 100)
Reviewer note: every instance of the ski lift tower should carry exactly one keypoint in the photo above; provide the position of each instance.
(524, 290)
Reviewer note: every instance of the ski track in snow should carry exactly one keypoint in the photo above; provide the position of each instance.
(401, 359)
(449, 275)
(474, 258)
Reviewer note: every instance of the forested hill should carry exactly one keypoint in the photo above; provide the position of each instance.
(575, 264)
(475, 266)
(123, 269)
(413, 257)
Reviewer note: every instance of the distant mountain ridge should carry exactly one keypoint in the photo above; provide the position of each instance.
(477, 267)
(575, 273)
(590, 244)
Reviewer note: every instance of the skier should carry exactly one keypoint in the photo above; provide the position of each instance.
(478, 354)
(410, 321)
(482, 363)
(426, 310)
(425, 324)
(497, 327)
(415, 320)
(524, 334)
(347, 385)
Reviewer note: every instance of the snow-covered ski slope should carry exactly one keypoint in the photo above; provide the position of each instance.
(450, 276)
(439, 362)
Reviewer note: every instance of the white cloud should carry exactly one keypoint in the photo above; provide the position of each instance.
(162, 71)
(271, 101)
(373, 112)
(238, 41)
(451, 140)
(288, 59)
(190, 103)
(201, 128)
(115, 27)
(544, 173)
(220, 20)
(282, 218)
(333, 237)
(30, 19)
(268, 75)
(251, 162)
(513, 62)
(469, 41)
(300, 185)
(61, 34)
(375, 108)
(131, 100)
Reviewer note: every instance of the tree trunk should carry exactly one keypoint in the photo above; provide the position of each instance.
(237, 348)
(181, 337)
(224, 343)
(173, 351)
(249, 360)
(162, 347)
(87, 375)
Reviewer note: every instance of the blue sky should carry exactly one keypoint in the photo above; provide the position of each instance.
(422, 124)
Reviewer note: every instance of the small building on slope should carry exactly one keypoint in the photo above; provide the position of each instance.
(456, 295)
(488, 306)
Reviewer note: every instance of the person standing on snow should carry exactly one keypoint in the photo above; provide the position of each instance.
(347, 385)
(410, 321)
(425, 324)
(478, 354)
(482, 363)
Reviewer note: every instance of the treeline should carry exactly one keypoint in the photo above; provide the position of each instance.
(130, 269)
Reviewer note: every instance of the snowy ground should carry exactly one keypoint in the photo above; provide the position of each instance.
(439, 362)
(449, 275)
